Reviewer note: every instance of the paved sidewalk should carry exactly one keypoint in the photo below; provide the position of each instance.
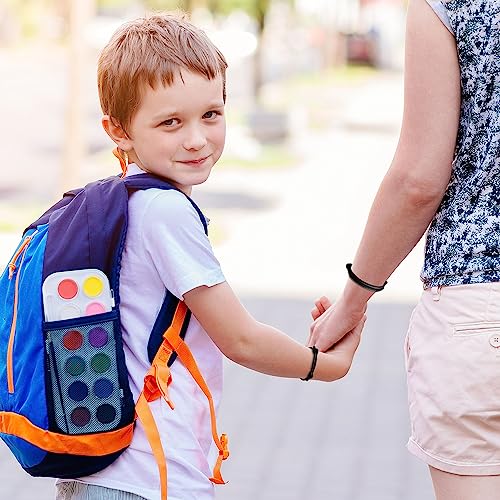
(292, 440)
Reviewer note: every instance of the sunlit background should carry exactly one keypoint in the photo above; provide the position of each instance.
(314, 107)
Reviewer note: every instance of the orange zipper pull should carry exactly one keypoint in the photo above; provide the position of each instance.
(12, 263)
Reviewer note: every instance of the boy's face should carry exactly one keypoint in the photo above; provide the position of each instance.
(178, 132)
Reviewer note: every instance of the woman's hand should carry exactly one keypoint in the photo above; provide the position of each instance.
(334, 322)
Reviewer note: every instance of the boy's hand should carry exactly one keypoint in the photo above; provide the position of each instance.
(320, 306)
(339, 358)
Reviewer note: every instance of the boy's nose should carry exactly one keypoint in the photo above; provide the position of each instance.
(195, 140)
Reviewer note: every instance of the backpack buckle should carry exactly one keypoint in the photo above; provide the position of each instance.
(156, 384)
(224, 452)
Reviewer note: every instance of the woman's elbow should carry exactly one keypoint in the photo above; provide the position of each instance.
(424, 194)
(421, 190)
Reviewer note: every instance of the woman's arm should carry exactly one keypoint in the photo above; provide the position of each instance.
(261, 347)
(417, 179)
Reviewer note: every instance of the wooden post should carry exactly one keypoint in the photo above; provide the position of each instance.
(74, 143)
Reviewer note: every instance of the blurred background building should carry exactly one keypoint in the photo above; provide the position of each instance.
(264, 41)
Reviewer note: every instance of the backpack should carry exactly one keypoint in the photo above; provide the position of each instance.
(66, 409)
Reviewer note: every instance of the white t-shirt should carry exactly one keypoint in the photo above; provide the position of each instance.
(166, 247)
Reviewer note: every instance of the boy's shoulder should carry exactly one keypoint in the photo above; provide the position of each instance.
(157, 206)
(157, 215)
(165, 205)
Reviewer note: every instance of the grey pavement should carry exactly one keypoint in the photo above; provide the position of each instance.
(313, 441)
(286, 237)
(291, 440)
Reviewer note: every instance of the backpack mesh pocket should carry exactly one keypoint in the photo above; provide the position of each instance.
(83, 370)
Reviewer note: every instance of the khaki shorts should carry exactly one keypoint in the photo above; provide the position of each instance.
(453, 363)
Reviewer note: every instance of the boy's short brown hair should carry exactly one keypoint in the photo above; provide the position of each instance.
(152, 50)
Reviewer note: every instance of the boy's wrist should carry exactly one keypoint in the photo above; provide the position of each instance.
(331, 366)
(310, 374)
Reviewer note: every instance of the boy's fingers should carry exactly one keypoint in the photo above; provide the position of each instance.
(358, 329)
(325, 303)
(349, 344)
(356, 332)
(361, 324)
(315, 313)
(319, 306)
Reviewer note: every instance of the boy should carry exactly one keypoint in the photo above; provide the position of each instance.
(162, 91)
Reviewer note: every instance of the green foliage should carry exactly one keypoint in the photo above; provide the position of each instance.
(185, 5)
(256, 8)
(106, 4)
(253, 7)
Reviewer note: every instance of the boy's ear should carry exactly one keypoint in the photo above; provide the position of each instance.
(116, 132)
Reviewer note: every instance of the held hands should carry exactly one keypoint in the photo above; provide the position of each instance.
(337, 338)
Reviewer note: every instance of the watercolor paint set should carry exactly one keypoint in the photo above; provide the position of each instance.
(72, 294)
(82, 353)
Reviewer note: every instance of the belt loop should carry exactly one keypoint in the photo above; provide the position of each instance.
(436, 293)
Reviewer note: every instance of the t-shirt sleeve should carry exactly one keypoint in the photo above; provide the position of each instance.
(174, 238)
(438, 7)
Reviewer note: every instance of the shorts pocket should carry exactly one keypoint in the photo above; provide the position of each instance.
(476, 328)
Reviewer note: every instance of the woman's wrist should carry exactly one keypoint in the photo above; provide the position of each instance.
(362, 283)
(355, 298)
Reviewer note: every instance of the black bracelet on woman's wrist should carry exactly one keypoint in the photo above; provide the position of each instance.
(310, 375)
(364, 284)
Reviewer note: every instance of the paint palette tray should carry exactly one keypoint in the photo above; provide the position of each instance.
(72, 294)
(81, 351)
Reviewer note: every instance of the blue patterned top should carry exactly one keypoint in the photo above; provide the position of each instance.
(463, 241)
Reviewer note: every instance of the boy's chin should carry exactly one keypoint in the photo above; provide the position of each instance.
(184, 182)
(185, 185)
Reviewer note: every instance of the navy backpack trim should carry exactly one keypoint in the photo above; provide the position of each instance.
(86, 230)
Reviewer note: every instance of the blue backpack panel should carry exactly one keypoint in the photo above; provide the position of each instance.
(66, 409)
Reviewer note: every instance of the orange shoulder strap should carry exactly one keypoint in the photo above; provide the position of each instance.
(180, 347)
(156, 384)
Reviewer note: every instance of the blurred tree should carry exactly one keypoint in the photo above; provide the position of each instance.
(80, 13)
(258, 10)
(25, 14)
(265, 125)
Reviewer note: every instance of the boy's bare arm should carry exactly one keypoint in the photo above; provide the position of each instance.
(261, 347)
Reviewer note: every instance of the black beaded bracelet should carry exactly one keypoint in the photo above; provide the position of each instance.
(364, 284)
(310, 375)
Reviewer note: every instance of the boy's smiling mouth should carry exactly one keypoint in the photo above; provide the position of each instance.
(197, 161)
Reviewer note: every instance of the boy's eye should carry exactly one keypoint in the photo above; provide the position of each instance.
(170, 122)
(211, 114)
